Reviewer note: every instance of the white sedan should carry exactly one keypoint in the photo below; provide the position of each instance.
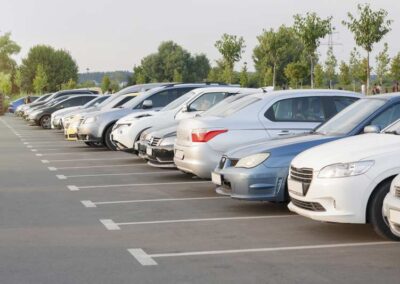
(391, 207)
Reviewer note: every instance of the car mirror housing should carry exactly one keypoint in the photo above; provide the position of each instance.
(147, 104)
(372, 129)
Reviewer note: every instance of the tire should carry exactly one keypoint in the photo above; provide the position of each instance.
(375, 215)
(45, 121)
(107, 139)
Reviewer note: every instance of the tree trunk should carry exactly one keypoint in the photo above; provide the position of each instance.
(274, 76)
(367, 91)
(312, 72)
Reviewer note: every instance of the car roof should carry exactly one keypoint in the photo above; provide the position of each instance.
(319, 92)
(225, 89)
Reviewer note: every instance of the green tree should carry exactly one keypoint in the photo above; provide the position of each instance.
(18, 79)
(276, 49)
(177, 76)
(318, 76)
(214, 75)
(57, 64)
(71, 84)
(8, 48)
(295, 73)
(231, 48)
(356, 69)
(40, 80)
(311, 28)
(382, 64)
(369, 28)
(395, 67)
(87, 84)
(5, 83)
(330, 66)
(344, 74)
(105, 83)
(244, 76)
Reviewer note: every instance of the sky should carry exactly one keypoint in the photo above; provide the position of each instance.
(105, 35)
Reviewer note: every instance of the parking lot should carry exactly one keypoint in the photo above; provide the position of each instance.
(76, 214)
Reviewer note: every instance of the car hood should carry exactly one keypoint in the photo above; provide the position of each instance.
(351, 149)
(65, 111)
(138, 116)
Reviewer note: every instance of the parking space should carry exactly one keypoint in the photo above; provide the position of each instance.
(139, 224)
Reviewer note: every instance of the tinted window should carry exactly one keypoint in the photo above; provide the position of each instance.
(84, 100)
(387, 117)
(124, 100)
(72, 102)
(206, 101)
(305, 109)
(342, 102)
(165, 97)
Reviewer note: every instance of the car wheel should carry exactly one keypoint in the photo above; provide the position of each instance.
(107, 139)
(375, 214)
(45, 121)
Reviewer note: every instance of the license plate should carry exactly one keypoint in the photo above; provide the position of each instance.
(394, 216)
(216, 178)
(295, 187)
(136, 146)
(179, 154)
(149, 151)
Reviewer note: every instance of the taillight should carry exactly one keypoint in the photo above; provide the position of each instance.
(203, 135)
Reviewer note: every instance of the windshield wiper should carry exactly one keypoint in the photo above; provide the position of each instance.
(395, 132)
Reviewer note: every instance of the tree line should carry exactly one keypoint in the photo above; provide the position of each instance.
(283, 57)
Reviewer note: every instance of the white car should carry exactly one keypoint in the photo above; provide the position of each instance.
(127, 130)
(202, 141)
(391, 207)
(345, 181)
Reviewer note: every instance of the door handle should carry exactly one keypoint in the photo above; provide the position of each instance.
(284, 132)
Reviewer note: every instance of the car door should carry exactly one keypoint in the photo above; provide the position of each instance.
(290, 116)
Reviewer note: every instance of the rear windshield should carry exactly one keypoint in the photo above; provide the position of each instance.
(228, 107)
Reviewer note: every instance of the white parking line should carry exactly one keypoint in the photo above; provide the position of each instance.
(112, 226)
(92, 204)
(33, 150)
(119, 174)
(90, 167)
(73, 153)
(78, 160)
(148, 259)
(135, 184)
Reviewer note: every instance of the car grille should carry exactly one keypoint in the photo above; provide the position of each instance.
(397, 191)
(311, 206)
(154, 141)
(304, 175)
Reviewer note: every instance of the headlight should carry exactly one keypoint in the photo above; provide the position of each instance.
(346, 170)
(90, 120)
(168, 141)
(252, 161)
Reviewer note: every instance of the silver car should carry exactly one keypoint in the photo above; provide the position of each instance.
(202, 141)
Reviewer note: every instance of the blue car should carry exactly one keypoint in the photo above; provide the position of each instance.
(14, 104)
(259, 172)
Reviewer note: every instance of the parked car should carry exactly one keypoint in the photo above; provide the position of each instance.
(127, 130)
(259, 172)
(57, 116)
(57, 96)
(42, 116)
(73, 121)
(202, 141)
(97, 127)
(391, 207)
(157, 145)
(20, 109)
(19, 102)
(346, 181)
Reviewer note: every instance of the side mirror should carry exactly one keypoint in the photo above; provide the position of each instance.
(186, 108)
(147, 104)
(61, 106)
(372, 129)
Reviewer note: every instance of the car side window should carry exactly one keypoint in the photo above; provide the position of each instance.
(160, 99)
(85, 100)
(206, 101)
(387, 117)
(124, 100)
(304, 109)
(342, 102)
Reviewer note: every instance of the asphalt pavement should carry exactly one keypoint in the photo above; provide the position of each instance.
(74, 214)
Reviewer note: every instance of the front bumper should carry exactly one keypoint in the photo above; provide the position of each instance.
(161, 156)
(120, 136)
(198, 159)
(338, 200)
(257, 184)
(88, 133)
(391, 210)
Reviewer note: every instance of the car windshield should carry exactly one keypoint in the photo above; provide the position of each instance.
(231, 105)
(98, 100)
(176, 103)
(139, 99)
(350, 117)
